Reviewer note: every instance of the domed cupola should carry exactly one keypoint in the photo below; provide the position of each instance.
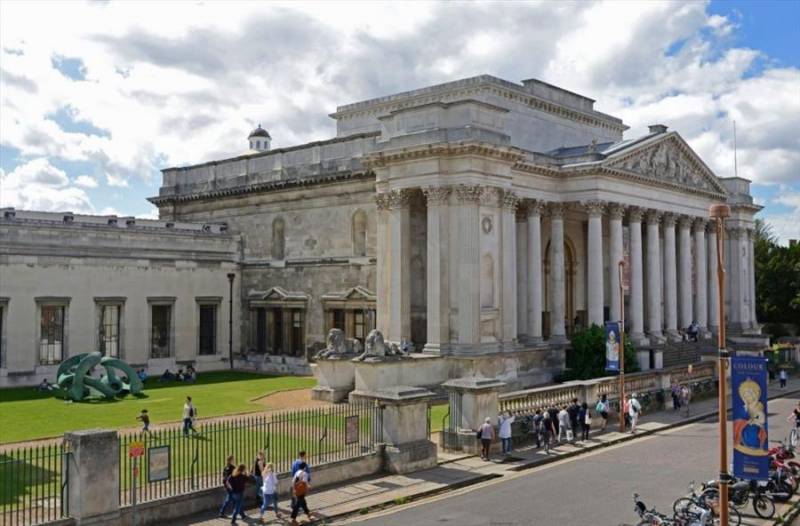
(259, 139)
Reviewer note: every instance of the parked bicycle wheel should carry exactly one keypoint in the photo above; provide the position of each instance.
(763, 506)
(793, 437)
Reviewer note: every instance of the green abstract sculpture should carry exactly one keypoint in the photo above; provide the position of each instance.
(73, 378)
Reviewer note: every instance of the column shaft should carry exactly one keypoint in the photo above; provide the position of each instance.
(469, 326)
(399, 266)
(557, 289)
(615, 256)
(508, 253)
(713, 300)
(595, 262)
(534, 292)
(685, 273)
(670, 278)
(752, 279)
(437, 275)
(382, 263)
(637, 286)
(522, 279)
(653, 276)
(700, 300)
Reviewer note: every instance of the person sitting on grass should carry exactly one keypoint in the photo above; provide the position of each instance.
(191, 374)
(45, 386)
(167, 376)
(179, 377)
(142, 374)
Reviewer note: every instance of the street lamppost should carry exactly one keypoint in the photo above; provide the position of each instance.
(621, 270)
(231, 277)
(719, 213)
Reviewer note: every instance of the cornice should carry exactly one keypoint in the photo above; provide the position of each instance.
(502, 153)
(638, 178)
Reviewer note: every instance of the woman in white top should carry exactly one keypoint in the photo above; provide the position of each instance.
(505, 420)
(269, 488)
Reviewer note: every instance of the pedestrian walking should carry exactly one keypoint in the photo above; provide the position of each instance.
(301, 483)
(676, 396)
(548, 430)
(601, 408)
(237, 482)
(269, 490)
(227, 471)
(574, 417)
(259, 464)
(585, 420)
(145, 419)
(554, 419)
(685, 398)
(783, 376)
(634, 411)
(301, 459)
(537, 428)
(189, 414)
(486, 434)
(564, 429)
(505, 420)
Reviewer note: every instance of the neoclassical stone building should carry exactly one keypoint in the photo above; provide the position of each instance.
(483, 220)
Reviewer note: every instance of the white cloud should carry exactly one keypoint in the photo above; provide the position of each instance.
(38, 185)
(86, 181)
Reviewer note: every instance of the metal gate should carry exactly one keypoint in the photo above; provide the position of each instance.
(33, 484)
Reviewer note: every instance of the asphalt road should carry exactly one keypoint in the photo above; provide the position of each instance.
(591, 490)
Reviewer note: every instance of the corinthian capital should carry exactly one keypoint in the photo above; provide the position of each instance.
(669, 220)
(616, 210)
(468, 193)
(685, 222)
(382, 201)
(594, 207)
(635, 214)
(437, 195)
(510, 201)
(653, 217)
(557, 210)
(700, 224)
(536, 207)
(400, 198)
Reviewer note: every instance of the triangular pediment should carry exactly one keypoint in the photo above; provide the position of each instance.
(357, 293)
(277, 294)
(667, 159)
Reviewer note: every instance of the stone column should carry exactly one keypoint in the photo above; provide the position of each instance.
(751, 234)
(654, 278)
(701, 287)
(670, 279)
(534, 291)
(615, 213)
(558, 333)
(713, 304)
(404, 426)
(469, 280)
(472, 400)
(741, 301)
(382, 264)
(399, 266)
(594, 286)
(508, 253)
(685, 272)
(93, 470)
(637, 286)
(522, 276)
(437, 276)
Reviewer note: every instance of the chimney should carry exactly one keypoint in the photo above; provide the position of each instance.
(657, 128)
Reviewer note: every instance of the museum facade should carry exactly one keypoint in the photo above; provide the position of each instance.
(479, 219)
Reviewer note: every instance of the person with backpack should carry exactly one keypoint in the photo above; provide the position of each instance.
(574, 421)
(227, 471)
(634, 411)
(237, 483)
(602, 409)
(505, 421)
(486, 435)
(536, 422)
(585, 418)
(189, 414)
(300, 486)
(258, 467)
(301, 459)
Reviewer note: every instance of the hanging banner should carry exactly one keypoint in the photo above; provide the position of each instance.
(750, 436)
(612, 346)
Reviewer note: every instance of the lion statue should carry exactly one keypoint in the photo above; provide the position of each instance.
(376, 347)
(336, 345)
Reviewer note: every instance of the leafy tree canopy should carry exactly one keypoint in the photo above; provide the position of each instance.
(587, 358)
(777, 277)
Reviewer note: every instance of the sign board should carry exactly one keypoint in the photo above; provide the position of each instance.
(158, 464)
(750, 434)
(351, 429)
(612, 346)
(136, 449)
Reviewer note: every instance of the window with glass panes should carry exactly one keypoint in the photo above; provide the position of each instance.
(109, 330)
(160, 337)
(51, 335)
(208, 329)
(298, 343)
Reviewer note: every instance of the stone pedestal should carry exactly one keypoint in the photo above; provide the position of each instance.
(643, 357)
(405, 428)
(93, 471)
(375, 375)
(335, 379)
(472, 400)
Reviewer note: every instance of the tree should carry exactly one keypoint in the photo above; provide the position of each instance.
(587, 358)
(777, 277)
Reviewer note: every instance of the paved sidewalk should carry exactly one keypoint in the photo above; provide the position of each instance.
(457, 471)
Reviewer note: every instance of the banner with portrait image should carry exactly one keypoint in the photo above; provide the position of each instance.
(750, 434)
(612, 346)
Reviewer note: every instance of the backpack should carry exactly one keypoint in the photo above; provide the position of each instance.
(191, 412)
(300, 487)
(600, 407)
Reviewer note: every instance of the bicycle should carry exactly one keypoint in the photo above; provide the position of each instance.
(793, 437)
(706, 503)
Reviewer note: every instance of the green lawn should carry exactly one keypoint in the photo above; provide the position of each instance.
(26, 414)
(438, 413)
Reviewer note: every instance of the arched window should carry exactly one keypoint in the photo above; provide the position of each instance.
(360, 233)
(278, 238)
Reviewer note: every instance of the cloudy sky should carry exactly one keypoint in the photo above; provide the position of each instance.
(96, 97)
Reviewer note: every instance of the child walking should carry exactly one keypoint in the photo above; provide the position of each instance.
(269, 490)
(145, 419)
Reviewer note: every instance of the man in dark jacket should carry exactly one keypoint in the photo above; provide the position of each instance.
(226, 474)
(573, 411)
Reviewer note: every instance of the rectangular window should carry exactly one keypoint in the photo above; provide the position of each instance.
(359, 325)
(260, 335)
(338, 319)
(109, 330)
(161, 331)
(51, 335)
(275, 328)
(298, 344)
(208, 329)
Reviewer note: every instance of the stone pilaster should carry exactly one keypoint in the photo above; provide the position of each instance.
(594, 286)
(558, 333)
(654, 278)
(382, 264)
(468, 246)
(751, 279)
(713, 303)
(400, 266)
(739, 311)
(637, 285)
(93, 471)
(508, 253)
(522, 273)
(701, 287)
(685, 272)
(534, 292)
(615, 215)
(670, 279)
(437, 272)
